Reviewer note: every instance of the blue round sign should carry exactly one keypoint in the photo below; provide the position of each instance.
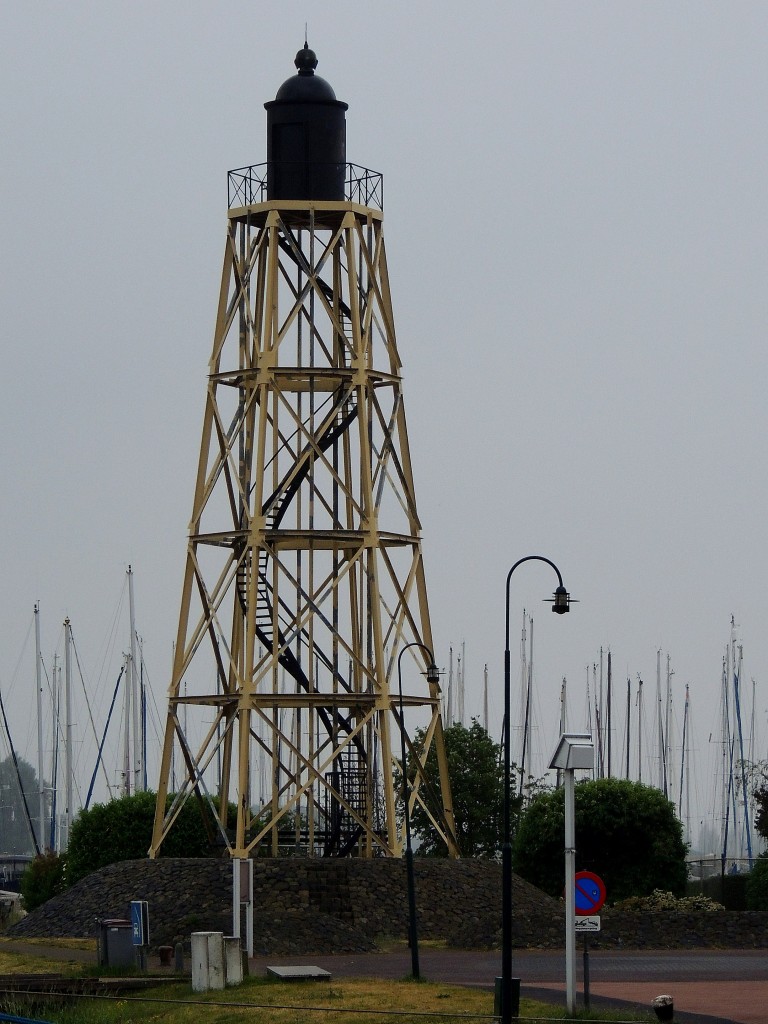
(590, 893)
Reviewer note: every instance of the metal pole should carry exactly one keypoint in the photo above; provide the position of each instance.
(508, 1007)
(40, 753)
(586, 971)
(135, 699)
(413, 936)
(570, 892)
(68, 725)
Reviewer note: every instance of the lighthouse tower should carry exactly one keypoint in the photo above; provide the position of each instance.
(304, 626)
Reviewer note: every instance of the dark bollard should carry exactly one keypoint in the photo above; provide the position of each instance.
(514, 997)
(664, 1007)
(179, 965)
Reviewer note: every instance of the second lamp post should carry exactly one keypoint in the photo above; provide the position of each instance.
(433, 676)
(510, 1001)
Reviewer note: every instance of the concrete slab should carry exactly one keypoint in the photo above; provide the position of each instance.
(305, 972)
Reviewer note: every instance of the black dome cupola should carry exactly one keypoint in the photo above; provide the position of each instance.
(306, 136)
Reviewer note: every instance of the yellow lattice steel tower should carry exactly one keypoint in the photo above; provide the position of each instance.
(304, 578)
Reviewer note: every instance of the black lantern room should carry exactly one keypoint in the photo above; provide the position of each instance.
(306, 136)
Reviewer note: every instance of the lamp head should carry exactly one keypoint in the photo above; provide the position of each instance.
(433, 674)
(561, 601)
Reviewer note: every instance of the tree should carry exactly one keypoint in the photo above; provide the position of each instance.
(757, 885)
(626, 832)
(15, 830)
(43, 878)
(476, 772)
(761, 807)
(122, 830)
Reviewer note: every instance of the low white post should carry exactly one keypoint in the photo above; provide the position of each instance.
(216, 976)
(200, 962)
(234, 959)
(207, 961)
(236, 897)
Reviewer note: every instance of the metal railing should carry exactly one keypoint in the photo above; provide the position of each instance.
(248, 185)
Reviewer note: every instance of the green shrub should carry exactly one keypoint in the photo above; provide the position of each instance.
(730, 890)
(757, 884)
(122, 830)
(661, 900)
(43, 878)
(626, 832)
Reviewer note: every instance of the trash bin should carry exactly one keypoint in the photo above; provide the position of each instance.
(116, 947)
(664, 1007)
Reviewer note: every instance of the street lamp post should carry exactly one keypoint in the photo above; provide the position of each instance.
(433, 676)
(510, 1001)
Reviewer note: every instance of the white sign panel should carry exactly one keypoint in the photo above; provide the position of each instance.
(588, 924)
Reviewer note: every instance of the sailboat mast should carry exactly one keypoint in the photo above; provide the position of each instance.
(127, 789)
(668, 732)
(742, 762)
(629, 715)
(682, 759)
(55, 840)
(563, 726)
(639, 729)
(608, 711)
(485, 697)
(601, 721)
(40, 747)
(660, 716)
(133, 685)
(68, 728)
(450, 686)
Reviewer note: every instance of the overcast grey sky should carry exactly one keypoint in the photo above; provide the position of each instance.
(576, 215)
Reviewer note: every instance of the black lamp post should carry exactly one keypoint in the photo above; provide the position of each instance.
(510, 1002)
(433, 676)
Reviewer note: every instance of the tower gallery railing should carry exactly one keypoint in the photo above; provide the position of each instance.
(248, 185)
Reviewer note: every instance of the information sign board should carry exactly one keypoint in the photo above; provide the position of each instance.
(588, 924)
(140, 922)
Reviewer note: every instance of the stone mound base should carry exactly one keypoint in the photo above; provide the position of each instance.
(305, 906)
(346, 906)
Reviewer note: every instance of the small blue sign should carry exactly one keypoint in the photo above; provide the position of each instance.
(590, 893)
(140, 922)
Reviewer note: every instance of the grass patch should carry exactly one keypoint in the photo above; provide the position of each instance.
(270, 1001)
(267, 1001)
(86, 944)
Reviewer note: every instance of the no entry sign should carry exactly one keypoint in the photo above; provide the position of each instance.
(590, 893)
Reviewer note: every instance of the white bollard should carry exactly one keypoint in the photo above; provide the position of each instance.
(200, 961)
(234, 960)
(216, 977)
(207, 961)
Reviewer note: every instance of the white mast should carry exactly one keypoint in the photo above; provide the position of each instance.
(135, 696)
(660, 723)
(56, 811)
(639, 729)
(563, 727)
(485, 697)
(70, 767)
(40, 752)
(668, 773)
(127, 728)
(600, 722)
(462, 692)
(450, 719)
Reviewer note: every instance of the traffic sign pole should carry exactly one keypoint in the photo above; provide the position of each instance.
(586, 971)
(570, 892)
